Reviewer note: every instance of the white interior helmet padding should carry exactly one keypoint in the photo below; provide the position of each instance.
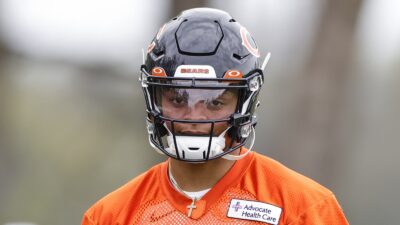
(195, 146)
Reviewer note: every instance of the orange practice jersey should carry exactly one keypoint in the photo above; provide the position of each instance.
(256, 190)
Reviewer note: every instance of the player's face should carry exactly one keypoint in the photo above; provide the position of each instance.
(198, 104)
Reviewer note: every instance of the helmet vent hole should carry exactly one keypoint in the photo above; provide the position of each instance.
(232, 20)
(239, 57)
(175, 18)
(158, 53)
(193, 148)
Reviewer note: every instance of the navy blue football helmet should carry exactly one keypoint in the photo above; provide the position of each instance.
(203, 62)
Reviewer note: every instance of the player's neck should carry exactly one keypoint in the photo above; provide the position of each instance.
(199, 176)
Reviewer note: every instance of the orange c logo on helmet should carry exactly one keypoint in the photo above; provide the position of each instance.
(233, 74)
(246, 42)
(158, 72)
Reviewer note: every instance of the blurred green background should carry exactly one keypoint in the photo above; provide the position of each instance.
(72, 112)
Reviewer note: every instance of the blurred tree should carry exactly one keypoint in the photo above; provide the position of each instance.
(3, 94)
(317, 129)
(6, 157)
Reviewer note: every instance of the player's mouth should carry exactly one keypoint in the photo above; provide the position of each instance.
(193, 133)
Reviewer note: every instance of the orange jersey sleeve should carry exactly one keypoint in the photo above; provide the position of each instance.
(256, 190)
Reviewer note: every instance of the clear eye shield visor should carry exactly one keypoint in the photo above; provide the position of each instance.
(196, 104)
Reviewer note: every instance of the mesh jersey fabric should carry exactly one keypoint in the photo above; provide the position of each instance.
(151, 199)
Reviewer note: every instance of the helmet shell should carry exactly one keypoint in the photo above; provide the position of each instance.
(203, 36)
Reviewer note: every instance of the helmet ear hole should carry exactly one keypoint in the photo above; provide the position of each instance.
(158, 52)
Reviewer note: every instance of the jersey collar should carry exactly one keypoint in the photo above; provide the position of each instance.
(181, 202)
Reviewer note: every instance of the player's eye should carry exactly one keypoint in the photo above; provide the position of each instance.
(215, 104)
(177, 100)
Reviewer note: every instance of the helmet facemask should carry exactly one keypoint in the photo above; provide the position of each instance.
(199, 119)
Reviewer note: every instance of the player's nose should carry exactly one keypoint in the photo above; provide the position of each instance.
(196, 112)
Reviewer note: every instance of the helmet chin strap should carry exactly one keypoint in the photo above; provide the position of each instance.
(237, 157)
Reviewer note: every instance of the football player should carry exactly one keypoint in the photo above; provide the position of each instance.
(201, 78)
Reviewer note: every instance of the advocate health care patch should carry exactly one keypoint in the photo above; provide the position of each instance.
(252, 210)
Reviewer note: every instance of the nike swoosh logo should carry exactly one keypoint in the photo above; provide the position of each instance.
(154, 218)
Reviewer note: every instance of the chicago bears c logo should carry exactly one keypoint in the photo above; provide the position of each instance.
(249, 44)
